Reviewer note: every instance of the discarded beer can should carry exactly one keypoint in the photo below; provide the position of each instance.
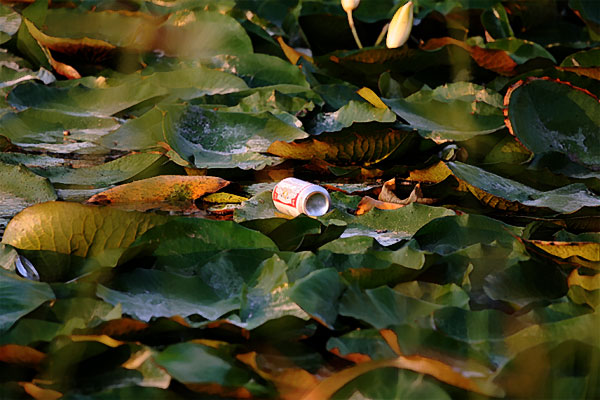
(293, 196)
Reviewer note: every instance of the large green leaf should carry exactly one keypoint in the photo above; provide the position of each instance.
(219, 139)
(269, 296)
(177, 36)
(566, 199)
(18, 181)
(391, 383)
(103, 175)
(317, 294)
(196, 363)
(384, 307)
(448, 234)
(519, 50)
(260, 69)
(541, 113)
(350, 113)
(182, 236)
(105, 97)
(145, 294)
(33, 126)
(456, 111)
(19, 297)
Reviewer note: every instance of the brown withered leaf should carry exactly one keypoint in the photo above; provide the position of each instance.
(362, 147)
(21, 355)
(39, 393)
(292, 383)
(580, 253)
(590, 72)
(165, 192)
(367, 203)
(416, 195)
(428, 366)
(93, 50)
(389, 201)
(494, 60)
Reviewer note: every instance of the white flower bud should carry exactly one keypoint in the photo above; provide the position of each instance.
(349, 5)
(400, 26)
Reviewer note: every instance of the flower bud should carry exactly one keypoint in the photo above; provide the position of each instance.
(400, 26)
(349, 5)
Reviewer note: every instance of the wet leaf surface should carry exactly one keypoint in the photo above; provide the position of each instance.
(459, 257)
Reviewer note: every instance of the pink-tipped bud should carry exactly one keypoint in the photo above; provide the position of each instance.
(400, 26)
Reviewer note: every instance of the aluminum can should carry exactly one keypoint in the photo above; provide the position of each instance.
(293, 196)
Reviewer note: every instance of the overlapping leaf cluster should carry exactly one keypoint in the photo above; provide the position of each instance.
(142, 256)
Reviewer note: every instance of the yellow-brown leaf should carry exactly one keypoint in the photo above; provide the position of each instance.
(166, 192)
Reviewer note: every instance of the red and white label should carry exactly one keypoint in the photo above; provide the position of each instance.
(287, 193)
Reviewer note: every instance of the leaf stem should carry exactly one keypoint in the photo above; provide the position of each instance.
(382, 35)
(353, 29)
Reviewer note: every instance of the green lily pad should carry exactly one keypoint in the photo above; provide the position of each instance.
(260, 69)
(456, 111)
(520, 50)
(541, 112)
(19, 297)
(376, 385)
(219, 139)
(196, 363)
(119, 170)
(354, 111)
(384, 307)
(145, 294)
(566, 199)
(105, 97)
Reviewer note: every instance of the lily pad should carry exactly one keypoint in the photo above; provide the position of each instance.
(457, 111)
(352, 112)
(565, 200)
(19, 297)
(540, 115)
(219, 139)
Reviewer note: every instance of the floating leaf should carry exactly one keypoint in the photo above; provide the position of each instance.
(121, 169)
(9, 23)
(196, 364)
(504, 193)
(19, 181)
(145, 294)
(456, 111)
(219, 139)
(260, 69)
(143, 32)
(105, 97)
(85, 231)
(184, 236)
(565, 250)
(350, 113)
(19, 297)
(495, 60)
(170, 192)
(539, 112)
(355, 146)
(585, 281)
(423, 365)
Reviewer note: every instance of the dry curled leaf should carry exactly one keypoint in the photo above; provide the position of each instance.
(494, 60)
